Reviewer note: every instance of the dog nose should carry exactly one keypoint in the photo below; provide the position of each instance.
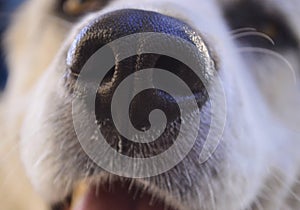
(123, 23)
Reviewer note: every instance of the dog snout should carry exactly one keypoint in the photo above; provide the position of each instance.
(142, 90)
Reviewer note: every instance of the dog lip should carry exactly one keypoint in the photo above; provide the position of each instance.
(122, 193)
(118, 195)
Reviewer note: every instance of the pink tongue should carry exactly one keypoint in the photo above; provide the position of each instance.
(119, 199)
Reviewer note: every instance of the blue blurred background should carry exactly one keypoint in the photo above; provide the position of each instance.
(6, 9)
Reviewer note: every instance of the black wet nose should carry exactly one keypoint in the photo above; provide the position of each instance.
(121, 23)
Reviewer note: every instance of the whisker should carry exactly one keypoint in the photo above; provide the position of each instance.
(254, 33)
(210, 189)
(240, 30)
(287, 187)
(272, 53)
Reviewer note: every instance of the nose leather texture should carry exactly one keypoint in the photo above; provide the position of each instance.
(121, 23)
(117, 24)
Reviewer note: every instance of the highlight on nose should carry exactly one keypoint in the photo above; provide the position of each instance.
(120, 23)
(142, 69)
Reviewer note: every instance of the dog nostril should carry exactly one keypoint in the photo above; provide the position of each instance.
(122, 23)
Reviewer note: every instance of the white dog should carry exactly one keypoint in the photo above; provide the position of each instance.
(252, 46)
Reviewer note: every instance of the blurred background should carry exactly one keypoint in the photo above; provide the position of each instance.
(15, 190)
(6, 9)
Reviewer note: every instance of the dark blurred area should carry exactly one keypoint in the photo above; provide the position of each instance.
(6, 9)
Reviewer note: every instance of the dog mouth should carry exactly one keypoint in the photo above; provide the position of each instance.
(125, 194)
